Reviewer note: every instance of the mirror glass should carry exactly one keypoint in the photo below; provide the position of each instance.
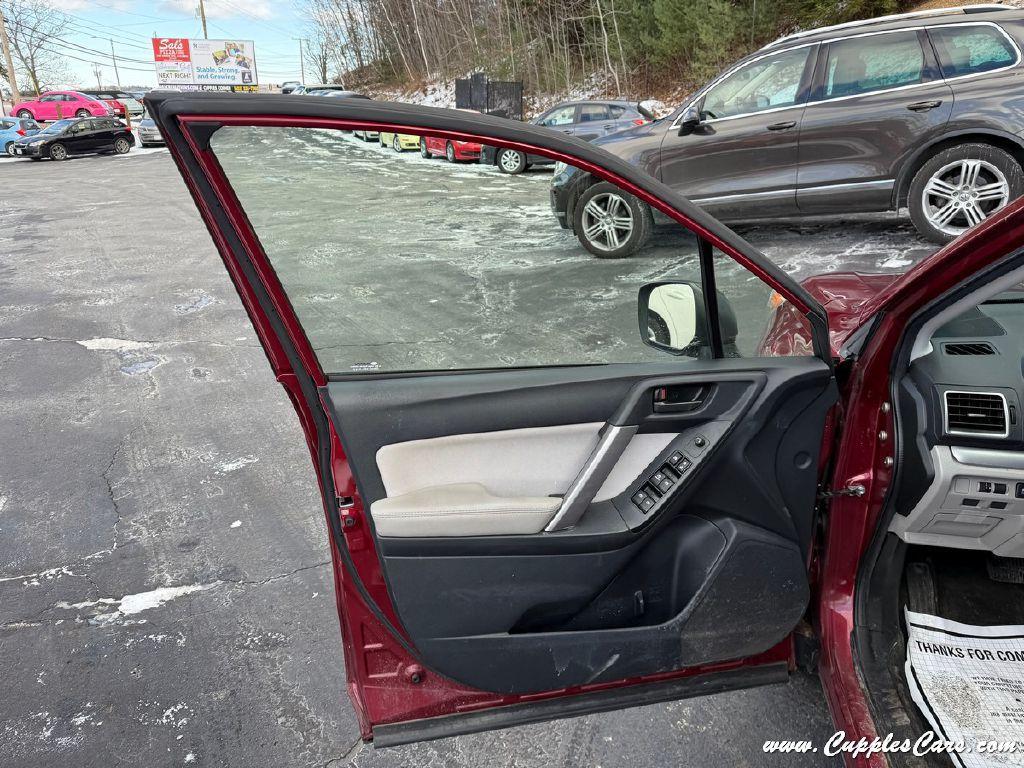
(671, 315)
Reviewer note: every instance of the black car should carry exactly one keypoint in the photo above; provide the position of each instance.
(81, 136)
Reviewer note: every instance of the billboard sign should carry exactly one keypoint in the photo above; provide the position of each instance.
(225, 63)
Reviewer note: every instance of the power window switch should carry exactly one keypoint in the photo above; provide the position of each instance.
(665, 485)
(640, 498)
(647, 506)
(658, 478)
(676, 458)
(684, 465)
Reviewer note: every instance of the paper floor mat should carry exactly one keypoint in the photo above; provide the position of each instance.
(968, 681)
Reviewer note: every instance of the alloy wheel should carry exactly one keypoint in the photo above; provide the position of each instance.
(511, 161)
(449, 153)
(10, 148)
(58, 152)
(121, 146)
(962, 194)
(396, 144)
(607, 221)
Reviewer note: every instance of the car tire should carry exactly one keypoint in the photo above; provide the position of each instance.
(424, 152)
(511, 161)
(25, 114)
(122, 146)
(58, 152)
(961, 187)
(82, 113)
(396, 144)
(610, 223)
(9, 148)
(449, 152)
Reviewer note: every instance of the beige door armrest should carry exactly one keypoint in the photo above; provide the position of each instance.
(461, 509)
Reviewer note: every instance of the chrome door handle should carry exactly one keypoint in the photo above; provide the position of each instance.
(782, 126)
(924, 106)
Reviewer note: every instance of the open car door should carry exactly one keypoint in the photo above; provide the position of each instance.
(536, 508)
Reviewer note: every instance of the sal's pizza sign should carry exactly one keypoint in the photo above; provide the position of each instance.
(220, 64)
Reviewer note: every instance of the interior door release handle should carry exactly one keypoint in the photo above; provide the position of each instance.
(782, 126)
(924, 106)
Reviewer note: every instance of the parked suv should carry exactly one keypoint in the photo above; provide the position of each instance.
(587, 120)
(924, 110)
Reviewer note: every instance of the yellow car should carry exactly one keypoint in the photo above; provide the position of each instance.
(399, 141)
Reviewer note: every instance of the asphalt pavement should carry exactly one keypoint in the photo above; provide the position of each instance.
(165, 588)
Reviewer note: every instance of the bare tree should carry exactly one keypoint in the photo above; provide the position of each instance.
(34, 27)
(554, 45)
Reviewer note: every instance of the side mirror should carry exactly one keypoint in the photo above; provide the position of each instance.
(673, 318)
(690, 121)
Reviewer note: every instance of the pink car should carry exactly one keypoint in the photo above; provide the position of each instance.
(56, 105)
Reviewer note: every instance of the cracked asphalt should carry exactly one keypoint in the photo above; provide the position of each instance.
(165, 590)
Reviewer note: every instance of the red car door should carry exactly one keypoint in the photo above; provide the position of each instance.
(532, 515)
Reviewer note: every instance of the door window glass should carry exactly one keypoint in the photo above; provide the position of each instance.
(767, 83)
(967, 50)
(873, 63)
(394, 262)
(615, 111)
(592, 113)
(561, 116)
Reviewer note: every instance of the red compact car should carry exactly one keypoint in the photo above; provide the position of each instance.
(516, 540)
(452, 150)
(59, 105)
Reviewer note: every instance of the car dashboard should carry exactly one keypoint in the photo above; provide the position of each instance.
(962, 463)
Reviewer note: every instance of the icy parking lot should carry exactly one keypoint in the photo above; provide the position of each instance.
(165, 589)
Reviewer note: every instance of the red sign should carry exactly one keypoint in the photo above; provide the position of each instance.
(170, 49)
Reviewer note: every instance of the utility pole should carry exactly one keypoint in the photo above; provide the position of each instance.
(117, 75)
(98, 71)
(302, 61)
(202, 15)
(8, 62)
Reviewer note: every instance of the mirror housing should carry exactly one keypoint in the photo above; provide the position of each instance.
(690, 121)
(673, 318)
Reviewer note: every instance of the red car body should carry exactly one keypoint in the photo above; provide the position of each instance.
(57, 105)
(387, 682)
(461, 150)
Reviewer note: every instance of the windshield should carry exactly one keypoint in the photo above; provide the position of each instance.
(59, 126)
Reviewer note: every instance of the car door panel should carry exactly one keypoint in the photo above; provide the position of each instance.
(459, 632)
(855, 169)
(743, 163)
(631, 594)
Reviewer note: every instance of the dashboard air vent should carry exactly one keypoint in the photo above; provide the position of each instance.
(969, 348)
(983, 414)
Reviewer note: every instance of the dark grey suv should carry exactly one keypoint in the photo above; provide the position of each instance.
(924, 110)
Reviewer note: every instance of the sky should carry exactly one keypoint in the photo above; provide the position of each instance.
(271, 24)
